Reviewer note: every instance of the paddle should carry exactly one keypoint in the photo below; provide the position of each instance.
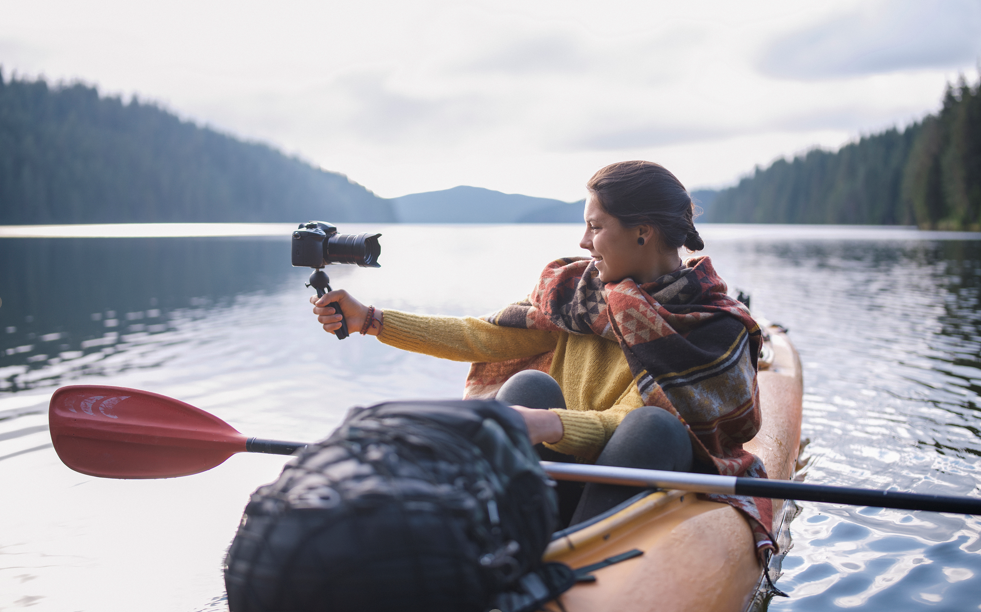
(115, 432)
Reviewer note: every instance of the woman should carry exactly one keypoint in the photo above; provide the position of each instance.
(639, 359)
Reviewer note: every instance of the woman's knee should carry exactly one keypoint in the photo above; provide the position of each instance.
(653, 436)
(532, 389)
(652, 418)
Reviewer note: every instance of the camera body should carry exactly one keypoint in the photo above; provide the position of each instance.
(317, 244)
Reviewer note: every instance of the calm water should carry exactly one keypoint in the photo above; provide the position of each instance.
(888, 323)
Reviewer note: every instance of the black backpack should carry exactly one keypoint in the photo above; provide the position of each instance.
(407, 506)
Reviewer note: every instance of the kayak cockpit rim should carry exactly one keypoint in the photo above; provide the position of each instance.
(602, 516)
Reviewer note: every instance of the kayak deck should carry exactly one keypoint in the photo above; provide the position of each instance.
(696, 554)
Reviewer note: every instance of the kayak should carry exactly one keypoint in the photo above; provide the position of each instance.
(672, 550)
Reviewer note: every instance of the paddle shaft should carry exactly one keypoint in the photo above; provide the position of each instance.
(272, 447)
(724, 485)
(857, 497)
(757, 487)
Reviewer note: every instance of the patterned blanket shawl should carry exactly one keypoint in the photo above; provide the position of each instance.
(692, 348)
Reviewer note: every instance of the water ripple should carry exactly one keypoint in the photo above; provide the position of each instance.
(887, 322)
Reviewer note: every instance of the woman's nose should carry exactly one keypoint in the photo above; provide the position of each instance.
(585, 243)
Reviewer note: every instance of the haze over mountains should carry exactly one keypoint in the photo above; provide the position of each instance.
(69, 155)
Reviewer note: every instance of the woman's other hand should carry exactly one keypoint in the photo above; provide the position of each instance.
(354, 311)
(543, 425)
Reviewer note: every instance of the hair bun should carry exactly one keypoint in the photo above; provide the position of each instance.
(693, 242)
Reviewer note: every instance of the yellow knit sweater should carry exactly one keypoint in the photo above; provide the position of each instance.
(592, 371)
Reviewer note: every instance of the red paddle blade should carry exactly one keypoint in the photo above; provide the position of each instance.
(115, 432)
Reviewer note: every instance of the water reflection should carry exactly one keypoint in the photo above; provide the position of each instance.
(70, 305)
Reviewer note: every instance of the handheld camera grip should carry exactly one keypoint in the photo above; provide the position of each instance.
(320, 282)
(341, 332)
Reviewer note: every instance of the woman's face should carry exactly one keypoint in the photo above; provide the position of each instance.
(613, 247)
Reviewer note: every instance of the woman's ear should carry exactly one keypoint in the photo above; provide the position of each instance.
(645, 234)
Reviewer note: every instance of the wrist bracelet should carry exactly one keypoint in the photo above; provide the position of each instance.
(368, 320)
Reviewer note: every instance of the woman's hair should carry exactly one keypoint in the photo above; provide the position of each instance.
(645, 193)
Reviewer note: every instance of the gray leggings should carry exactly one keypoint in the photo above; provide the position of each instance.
(648, 437)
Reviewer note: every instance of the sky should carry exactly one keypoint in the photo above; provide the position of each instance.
(526, 96)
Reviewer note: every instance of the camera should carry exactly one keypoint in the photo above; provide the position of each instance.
(317, 244)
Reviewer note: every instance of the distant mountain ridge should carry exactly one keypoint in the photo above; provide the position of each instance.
(478, 205)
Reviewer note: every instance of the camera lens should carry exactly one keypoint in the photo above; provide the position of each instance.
(360, 249)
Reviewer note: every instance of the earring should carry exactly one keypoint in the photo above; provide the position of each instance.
(640, 241)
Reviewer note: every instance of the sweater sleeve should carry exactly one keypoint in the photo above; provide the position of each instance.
(462, 338)
(586, 432)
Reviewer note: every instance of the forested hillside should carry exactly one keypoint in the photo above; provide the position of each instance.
(927, 175)
(69, 155)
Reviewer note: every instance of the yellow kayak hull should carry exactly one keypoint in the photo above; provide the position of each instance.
(697, 555)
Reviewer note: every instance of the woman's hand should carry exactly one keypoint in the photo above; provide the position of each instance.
(543, 425)
(354, 311)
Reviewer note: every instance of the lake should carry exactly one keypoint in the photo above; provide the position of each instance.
(887, 322)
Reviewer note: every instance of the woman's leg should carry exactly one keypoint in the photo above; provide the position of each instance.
(535, 389)
(648, 437)
(532, 389)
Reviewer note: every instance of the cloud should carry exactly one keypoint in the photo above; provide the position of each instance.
(642, 136)
(512, 52)
(369, 105)
(849, 118)
(880, 37)
(531, 55)
(18, 56)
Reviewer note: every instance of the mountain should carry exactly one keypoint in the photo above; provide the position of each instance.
(69, 155)
(478, 205)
